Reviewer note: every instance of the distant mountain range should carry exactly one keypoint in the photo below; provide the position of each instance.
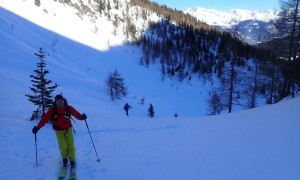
(250, 24)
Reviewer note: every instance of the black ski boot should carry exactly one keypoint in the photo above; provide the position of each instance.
(65, 162)
(73, 164)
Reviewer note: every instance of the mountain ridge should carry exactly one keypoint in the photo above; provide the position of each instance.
(248, 23)
(231, 17)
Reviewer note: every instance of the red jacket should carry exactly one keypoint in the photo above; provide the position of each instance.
(61, 121)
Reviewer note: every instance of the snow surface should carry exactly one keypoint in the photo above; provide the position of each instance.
(261, 143)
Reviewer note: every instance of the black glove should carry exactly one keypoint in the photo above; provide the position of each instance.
(35, 129)
(83, 116)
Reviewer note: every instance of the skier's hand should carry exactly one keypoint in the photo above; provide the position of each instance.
(35, 130)
(83, 116)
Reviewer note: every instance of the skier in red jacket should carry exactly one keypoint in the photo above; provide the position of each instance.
(60, 115)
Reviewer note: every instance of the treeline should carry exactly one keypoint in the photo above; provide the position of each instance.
(285, 46)
(188, 43)
(169, 14)
(191, 46)
(186, 47)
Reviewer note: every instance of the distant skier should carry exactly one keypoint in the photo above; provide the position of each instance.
(60, 115)
(126, 108)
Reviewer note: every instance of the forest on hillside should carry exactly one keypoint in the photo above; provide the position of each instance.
(185, 48)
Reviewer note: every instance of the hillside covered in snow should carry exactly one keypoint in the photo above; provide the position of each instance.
(260, 143)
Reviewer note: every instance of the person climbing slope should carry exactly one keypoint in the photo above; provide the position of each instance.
(126, 108)
(60, 115)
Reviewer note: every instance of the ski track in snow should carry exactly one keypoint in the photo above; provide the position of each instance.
(23, 155)
(261, 143)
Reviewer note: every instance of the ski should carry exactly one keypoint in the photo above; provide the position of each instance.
(72, 175)
(62, 172)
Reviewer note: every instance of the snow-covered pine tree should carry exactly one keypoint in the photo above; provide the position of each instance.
(151, 111)
(41, 88)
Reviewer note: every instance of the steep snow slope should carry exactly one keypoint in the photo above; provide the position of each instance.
(260, 143)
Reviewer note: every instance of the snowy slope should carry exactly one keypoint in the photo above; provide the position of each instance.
(72, 64)
(261, 143)
(60, 18)
(257, 144)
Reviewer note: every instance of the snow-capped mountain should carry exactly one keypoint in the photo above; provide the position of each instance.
(260, 143)
(249, 23)
(232, 17)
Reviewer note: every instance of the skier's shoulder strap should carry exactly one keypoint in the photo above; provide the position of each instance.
(54, 111)
(67, 109)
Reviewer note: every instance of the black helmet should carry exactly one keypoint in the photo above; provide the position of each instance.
(59, 96)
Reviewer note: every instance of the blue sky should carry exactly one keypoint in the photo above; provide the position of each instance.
(221, 4)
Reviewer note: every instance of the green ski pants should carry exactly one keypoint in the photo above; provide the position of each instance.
(65, 141)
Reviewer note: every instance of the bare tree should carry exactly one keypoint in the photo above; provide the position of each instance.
(215, 105)
(289, 27)
(115, 85)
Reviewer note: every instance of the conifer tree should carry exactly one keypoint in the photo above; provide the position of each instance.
(151, 111)
(41, 87)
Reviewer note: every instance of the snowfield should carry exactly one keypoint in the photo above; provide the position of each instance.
(257, 144)
(261, 143)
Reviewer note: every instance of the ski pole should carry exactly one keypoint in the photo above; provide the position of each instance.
(98, 160)
(132, 112)
(36, 161)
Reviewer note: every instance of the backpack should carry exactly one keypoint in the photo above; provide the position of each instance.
(55, 115)
(126, 107)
